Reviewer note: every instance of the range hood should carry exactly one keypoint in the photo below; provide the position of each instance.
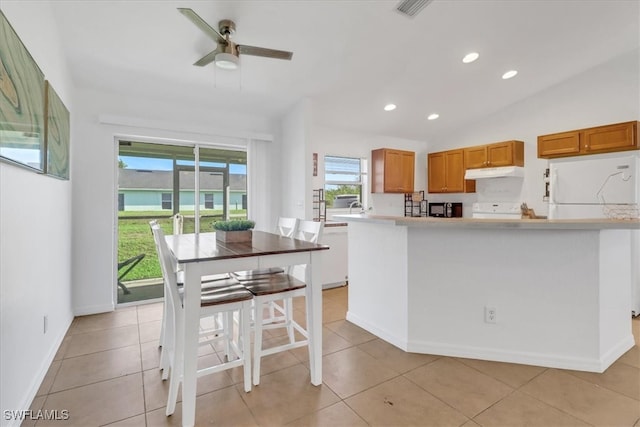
(502, 172)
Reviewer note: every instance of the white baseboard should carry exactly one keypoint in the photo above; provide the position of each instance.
(618, 350)
(93, 309)
(385, 335)
(509, 356)
(36, 381)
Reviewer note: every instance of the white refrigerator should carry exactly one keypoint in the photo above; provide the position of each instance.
(602, 186)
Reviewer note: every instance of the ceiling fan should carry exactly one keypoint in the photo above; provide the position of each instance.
(227, 52)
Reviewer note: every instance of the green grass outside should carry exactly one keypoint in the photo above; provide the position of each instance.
(134, 237)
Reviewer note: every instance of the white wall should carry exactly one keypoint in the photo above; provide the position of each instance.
(335, 142)
(103, 117)
(296, 162)
(608, 93)
(35, 230)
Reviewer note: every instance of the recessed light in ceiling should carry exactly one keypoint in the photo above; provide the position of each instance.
(433, 116)
(509, 74)
(470, 57)
(389, 107)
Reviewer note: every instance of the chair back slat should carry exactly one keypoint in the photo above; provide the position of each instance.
(309, 231)
(167, 264)
(178, 223)
(287, 226)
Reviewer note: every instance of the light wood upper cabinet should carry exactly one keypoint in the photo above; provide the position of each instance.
(475, 157)
(559, 145)
(446, 173)
(392, 171)
(600, 139)
(436, 167)
(507, 153)
(618, 137)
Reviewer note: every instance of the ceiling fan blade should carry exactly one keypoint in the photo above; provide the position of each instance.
(262, 51)
(208, 58)
(201, 23)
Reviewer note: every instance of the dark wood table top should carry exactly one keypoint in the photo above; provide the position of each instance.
(204, 246)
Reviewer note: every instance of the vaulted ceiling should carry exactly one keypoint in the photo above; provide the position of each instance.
(350, 57)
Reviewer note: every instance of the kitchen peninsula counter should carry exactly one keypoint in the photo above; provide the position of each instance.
(530, 224)
(553, 293)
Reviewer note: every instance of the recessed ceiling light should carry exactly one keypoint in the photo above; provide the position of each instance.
(433, 116)
(389, 107)
(509, 74)
(470, 57)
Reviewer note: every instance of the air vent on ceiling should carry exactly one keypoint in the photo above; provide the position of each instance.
(412, 7)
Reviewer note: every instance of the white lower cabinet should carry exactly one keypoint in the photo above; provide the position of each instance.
(334, 261)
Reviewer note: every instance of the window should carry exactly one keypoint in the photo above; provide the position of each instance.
(121, 202)
(166, 201)
(208, 201)
(344, 181)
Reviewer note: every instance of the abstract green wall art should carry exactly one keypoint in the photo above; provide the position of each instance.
(57, 134)
(21, 102)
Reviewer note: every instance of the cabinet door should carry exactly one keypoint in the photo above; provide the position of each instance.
(436, 172)
(377, 171)
(454, 171)
(392, 171)
(500, 154)
(605, 139)
(559, 144)
(407, 171)
(475, 157)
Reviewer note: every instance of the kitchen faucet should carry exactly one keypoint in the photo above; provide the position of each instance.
(356, 203)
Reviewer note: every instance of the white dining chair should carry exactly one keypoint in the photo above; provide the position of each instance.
(178, 223)
(285, 227)
(208, 282)
(226, 300)
(267, 290)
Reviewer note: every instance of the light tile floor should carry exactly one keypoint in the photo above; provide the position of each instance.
(106, 373)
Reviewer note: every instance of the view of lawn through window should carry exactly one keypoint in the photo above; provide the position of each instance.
(157, 181)
(344, 178)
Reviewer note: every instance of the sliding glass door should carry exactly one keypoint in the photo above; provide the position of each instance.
(158, 181)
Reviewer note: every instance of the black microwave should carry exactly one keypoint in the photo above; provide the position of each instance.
(445, 209)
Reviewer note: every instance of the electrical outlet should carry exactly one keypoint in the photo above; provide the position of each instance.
(45, 323)
(490, 315)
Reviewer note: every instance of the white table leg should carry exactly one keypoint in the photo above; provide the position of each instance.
(192, 295)
(314, 316)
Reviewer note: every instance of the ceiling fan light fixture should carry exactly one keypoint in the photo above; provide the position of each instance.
(226, 61)
(411, 8)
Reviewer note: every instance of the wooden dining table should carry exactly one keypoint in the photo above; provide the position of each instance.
(200, 254)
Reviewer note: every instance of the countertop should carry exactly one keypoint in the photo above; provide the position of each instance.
(474, 223)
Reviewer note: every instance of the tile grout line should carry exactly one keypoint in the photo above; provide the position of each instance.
(549, 404)
(433, 395)
(144, 397)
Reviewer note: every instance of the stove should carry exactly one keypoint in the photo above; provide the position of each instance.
(496, 210)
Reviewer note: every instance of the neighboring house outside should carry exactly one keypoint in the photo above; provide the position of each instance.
(152, 190)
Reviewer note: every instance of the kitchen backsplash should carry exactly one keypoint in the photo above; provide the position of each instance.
(499, 190)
